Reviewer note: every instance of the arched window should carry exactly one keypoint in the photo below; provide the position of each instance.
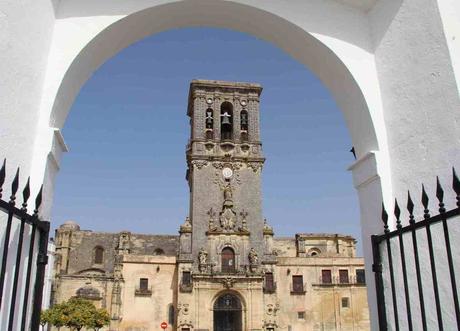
(244, 124)
(314, 252)
(226, 121)
(98, 255)
(228, 260)
(209, 123)
(158, 251)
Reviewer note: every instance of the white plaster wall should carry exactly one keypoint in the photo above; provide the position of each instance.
(26, 29)
(419, 93)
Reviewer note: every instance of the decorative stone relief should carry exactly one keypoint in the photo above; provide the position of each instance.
(203, 260)
(212, 223)
(124, 242)
(183, 308)
(255, 166)
(199, 163)
(187, 226)
(228, 282)
(244, 223)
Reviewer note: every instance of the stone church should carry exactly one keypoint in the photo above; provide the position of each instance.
(225, 271)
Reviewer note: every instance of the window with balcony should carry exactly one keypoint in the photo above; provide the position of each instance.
(326, 276)
(269, 285)
(143, 289)
(186, 283)
(297, 285)
(360, 276)
(343, 276)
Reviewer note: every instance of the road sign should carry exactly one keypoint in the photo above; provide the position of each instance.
(164, 325)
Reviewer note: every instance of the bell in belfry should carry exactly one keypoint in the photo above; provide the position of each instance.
(226, 118)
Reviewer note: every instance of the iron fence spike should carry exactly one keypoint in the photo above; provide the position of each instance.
(26, 194)
(410, 204)
(425, 198)
(2, 173)
(14, 186)
(439, 190)
(397, 212)
(455, 182)
(384, 218)
(2, 176)
(38, 200)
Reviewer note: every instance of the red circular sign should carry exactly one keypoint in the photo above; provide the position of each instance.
(164, 325)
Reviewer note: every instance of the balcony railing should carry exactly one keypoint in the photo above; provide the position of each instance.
(298, 289)
(336, 281)
(270, 287)
(186, 287)
(143, 292)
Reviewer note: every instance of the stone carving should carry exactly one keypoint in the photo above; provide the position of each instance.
(227, 216)
(183, 308)
(187, 226)
(124, 242)
(267, 228)
(202, 259)
(228, 282)
(244, 224)
(212, 224)
(255, 166)
(253, 260)
(199, 163)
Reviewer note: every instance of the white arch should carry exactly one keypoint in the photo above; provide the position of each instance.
(330, 38)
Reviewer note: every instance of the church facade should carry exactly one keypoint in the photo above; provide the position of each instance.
(225, 270)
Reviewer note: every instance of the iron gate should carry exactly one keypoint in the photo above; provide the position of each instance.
(415, 267)
(24, 240)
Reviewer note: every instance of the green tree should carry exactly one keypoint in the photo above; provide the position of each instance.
(100, 318)
(45, 317)
(80, 313)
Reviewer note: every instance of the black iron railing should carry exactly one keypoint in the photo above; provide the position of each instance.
(24, 245)
(396, 253)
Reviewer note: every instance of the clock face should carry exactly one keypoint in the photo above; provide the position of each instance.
(227, 172)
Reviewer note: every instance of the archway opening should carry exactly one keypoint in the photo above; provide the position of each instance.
(227, 313)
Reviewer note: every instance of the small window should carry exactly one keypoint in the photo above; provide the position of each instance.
(343, 276)
(326, 276)
(360, 276)
(143, 284)
(269, 282)
(171, 314)
(301, 315)
(297, 284)
(228, 260)
(209, 119)
(158, 251)
(345, 302)
(186, 278)
(98, 255)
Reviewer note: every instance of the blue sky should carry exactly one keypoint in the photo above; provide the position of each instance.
(128, 128)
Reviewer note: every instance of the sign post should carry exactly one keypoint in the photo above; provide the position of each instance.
(164, 325)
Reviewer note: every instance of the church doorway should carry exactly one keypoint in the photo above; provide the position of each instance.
(228, 313)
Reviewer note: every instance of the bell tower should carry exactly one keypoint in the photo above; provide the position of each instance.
(224, 159)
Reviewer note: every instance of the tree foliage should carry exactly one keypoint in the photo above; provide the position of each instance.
(76, 313)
